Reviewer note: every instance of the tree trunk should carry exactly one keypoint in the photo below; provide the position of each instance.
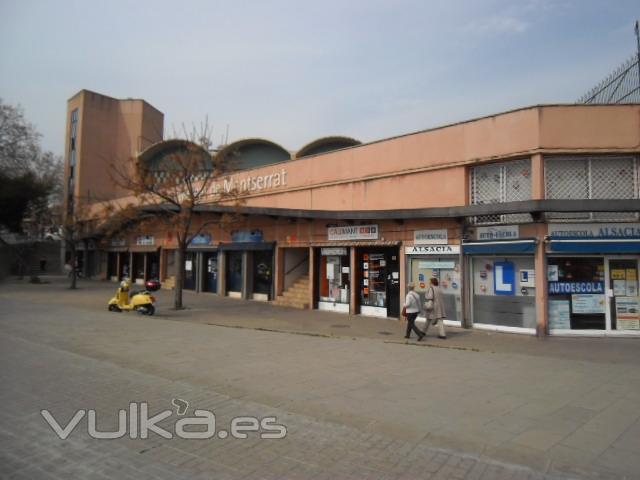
(72, 261)
(180, 256)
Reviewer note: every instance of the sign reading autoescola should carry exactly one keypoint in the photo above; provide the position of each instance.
(605, 230)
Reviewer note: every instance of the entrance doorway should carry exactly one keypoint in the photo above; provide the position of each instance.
(190, 271)
(379, 281)
(624, 303)
(210, 274)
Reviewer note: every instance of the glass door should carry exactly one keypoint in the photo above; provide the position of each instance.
(622, 290)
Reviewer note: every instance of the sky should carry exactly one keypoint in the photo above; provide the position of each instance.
(293, 71)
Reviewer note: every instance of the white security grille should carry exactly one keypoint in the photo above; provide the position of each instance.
(499, 183)
(583, 178)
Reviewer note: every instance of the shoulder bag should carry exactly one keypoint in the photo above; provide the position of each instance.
(428, 305)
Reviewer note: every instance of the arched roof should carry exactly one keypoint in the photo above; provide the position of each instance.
(158, 155)
(326, 144)
(251, 153)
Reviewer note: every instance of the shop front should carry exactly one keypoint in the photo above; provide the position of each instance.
(117, 258)
(249, 266)
(375, 279)
(592, 277)
(201, 264)
(501, 280)
(441, 261)
(378, 281)
(144, 259)
(334, 278)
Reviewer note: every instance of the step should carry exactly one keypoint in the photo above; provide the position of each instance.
(293, 304)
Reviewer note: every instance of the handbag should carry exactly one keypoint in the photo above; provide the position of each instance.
(404, 311)
(428, 305)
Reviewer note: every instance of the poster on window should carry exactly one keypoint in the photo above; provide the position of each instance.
(628, 313)
(587, 304)
(559, 315)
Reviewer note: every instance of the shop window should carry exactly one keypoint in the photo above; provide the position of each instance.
(584, 178)
(234, 271)
(504, 291)
(500, 183)
(576, 293)
(624, 303)
(447, 271)
(374, 280)
(334, 278)
(262, 271)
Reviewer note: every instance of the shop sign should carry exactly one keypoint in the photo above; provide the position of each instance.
(432, 250)
(250, 183)
(603, 230)
(504, 278)
(430, 237)
(326, 252)
(145, 240)
(243, 236)
(118, 242)
(528, 278)
(437, 264)
(585, 304)
(628, 313)
(506, 232)
(353, 232)
(559, 315)
(202, 239)
(560, 288)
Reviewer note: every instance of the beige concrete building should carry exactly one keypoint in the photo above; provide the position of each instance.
(529, 218)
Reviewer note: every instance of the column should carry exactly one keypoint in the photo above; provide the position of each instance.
(279, 270)
(312, 276)
(542, 325)
(537, 177)
(353, 287)
(222, 273)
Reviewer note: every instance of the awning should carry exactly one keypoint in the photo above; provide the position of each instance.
(525, 245)
(603, 245)
(246, 246)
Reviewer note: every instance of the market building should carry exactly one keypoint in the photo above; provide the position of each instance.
(529, 218)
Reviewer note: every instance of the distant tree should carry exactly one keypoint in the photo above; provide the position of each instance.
(172, 192)
(30, 180)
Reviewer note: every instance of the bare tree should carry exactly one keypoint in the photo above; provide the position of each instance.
(29, 178)
(173, 189)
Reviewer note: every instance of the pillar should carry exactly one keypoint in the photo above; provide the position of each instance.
(402, 263)
(537, 177)
(222, 273)
(353, 287)
(542, 320)
(312, 276)
(279, 271)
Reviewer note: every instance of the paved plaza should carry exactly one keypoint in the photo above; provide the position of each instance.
(356, 399)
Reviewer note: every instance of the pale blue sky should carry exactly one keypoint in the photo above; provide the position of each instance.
(293, 71)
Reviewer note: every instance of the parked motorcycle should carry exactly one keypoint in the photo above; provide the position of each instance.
(141, 301)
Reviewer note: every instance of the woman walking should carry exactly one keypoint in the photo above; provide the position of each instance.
(412, 308)
(434, 306)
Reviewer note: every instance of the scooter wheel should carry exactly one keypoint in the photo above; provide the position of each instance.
(146, 310)
(113, 308)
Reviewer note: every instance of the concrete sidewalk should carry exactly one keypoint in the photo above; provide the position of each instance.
(561, 406)
(211, 309)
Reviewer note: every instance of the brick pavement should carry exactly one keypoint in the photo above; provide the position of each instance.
(357, 407)
(35, 376)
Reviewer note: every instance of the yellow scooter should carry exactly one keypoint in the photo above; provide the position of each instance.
(142, 301)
